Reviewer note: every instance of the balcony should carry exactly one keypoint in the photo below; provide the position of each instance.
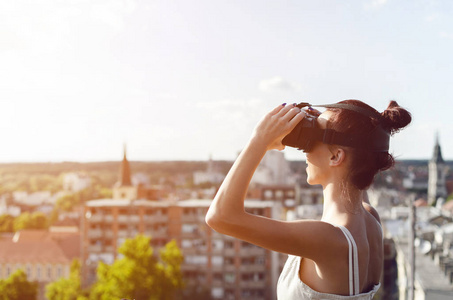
(252, 251)
(123, 219)
(194, 250)
(229, 268)
(123, 233)
(94, 233)
(258, 284)
(160, 233)
(96, 218)
(252, 268)
(109, 249)
(94, 248)
(229, 252)
(134, 219)
(158, 218)
(193, 218)
(108, 234)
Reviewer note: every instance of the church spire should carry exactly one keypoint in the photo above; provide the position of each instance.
(125, 171)
(437, 154)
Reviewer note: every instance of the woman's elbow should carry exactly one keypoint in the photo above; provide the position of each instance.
(213, 220)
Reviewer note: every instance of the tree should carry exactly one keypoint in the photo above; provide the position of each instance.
(67, 288)
(67, 202)
(36, 220)
(139, 274)
(17, 287)
(6, 223)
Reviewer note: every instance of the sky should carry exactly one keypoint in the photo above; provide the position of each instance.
(188, 80)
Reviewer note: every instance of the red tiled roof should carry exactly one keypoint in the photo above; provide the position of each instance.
(40, 246)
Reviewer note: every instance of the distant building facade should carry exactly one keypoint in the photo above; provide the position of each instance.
(230, 268)
(75, 182)
(274, 169)
(211, 175)
(45, 256)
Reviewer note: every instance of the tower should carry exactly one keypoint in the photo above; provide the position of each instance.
(123, 188)
(125, 171)
(437, 175)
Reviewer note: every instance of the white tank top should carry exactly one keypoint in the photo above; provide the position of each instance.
(290, 287)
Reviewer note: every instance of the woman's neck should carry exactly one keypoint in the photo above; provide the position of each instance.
(340, 202)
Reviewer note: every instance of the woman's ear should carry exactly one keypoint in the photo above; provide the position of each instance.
(337, 157)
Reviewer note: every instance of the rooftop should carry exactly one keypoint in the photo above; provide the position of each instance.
(183, 203)
(40, 246)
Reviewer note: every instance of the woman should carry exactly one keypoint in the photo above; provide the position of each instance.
(340, 256)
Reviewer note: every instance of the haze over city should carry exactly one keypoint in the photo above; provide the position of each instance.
(183, 80)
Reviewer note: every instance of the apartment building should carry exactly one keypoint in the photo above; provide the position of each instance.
(228, 267)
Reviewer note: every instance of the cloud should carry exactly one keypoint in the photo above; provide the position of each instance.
(239, 112)
(377, 3)
(232, 106)
(374, 4)
(432, 17)
(446, 35)
(277, 83)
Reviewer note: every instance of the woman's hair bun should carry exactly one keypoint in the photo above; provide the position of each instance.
(395, 118)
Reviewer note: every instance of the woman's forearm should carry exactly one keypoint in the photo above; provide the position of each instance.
(226, 213)
(228, 204)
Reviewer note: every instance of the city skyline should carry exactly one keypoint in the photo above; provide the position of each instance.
(183, 81)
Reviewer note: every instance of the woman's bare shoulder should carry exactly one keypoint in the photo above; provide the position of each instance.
(372, 211)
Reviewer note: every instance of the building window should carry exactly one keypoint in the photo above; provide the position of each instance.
(228, 244)
(260, 260)
(38, 273)
(217, 276)
(217, 293)
(189, 228)
(217, 260)
(8, 271)
(217, 244)
(230, 277)
(59, 271)
(186, 244)
(49, 272)
(196, 259)
(28, 271)
(229, 261)
(246, 245)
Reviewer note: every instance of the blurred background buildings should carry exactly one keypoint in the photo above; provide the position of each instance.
(90, 214)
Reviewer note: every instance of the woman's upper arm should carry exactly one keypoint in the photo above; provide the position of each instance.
(306, 238)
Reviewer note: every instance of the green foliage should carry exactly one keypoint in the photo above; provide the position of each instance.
(449, 197)
(67, 202)
(105, 193)
(67, 288)
(17, 287)
(139, 274)
(36, 220)
(6, 223)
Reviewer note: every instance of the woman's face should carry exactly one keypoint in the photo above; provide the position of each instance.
(318, 158)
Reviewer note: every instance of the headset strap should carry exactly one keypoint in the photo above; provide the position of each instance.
(379, 139)
(358, 109)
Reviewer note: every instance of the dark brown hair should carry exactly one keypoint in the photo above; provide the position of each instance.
(365, 164)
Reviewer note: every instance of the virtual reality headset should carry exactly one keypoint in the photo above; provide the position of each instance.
(307, 132)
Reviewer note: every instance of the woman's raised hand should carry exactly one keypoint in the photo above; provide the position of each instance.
(275, 125)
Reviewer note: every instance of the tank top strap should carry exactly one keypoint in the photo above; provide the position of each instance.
(353, 262)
